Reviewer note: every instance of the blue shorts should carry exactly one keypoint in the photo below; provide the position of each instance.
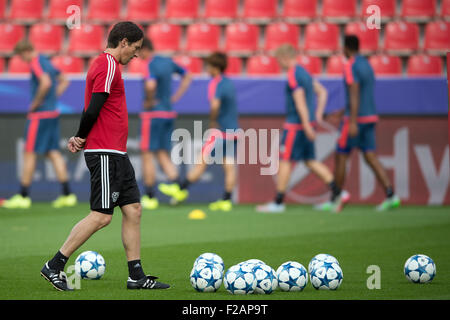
(365, 140)
(156, 133)
(295, 146)
(42, 134)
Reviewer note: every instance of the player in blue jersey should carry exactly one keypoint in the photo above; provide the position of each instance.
(157, 119)
(358, 126)
(301, 117)
(42, 127)
(222, 143)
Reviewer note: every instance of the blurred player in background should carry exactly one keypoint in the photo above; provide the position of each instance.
(298, 135)
(224, 119)
(103, 134)
(358, 126)
(42, 127)
(157, 119)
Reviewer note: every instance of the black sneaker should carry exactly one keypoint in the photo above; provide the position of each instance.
(58, 279)
(147, 282)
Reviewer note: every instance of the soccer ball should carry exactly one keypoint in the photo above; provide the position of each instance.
(292, 276)
(321, 257)
(326, 276)
(90, 265)
(206, 277)
(213, 258)
(420, 269)
(266, 279)
(240, 279)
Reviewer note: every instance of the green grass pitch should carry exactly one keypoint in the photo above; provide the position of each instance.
(358, 237)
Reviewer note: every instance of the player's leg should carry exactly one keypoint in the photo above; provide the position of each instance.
(149, 201)
(167, 165)
(67, 198)
(229, 169)
(53, 270)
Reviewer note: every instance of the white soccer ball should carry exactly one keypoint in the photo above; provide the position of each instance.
(326, 276)
(321, 257)
(90, 265)
(209, 257)
(240, 279)
(266, 279)
(420, 269)
(206, 277)
(292, 276)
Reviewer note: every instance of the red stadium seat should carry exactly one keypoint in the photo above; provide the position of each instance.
(17, 65)
(202, 38)
(26, 10)
(104, 10)
(2, 64)
(165, 37)
(279, 33)
(418, 10)
(321, 38)
(138, 66)
(57, 10)
(312, 64)
(386, 65)
(2, 8)
(234, 66)
(424, 65)
(260, 10)
(445, 9)
(46, 37)
(368, 38)
(335, 65)
(142, 10)
(262, 65)
(182, 10)
(10, 35)
(401, 37)
(221, 11)
(68, 64)
(338, 10)
(87, 40)
(299, 10)
(437, 37)
(192, 64)
(387, 8)
(241, 38)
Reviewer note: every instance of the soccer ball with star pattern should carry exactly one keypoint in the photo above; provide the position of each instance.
(240, 279)
(326, 276)
(206, 277)
(292, 276)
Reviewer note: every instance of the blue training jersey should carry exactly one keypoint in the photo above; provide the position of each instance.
(357, 69)
(223, 89)
(298, 77)
(40, 65)
(161, 69)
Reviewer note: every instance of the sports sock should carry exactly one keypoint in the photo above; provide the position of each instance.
(24, 191)
(149, 191)
(279, 198)
(184, 184)
(135, 270)
(389, 192)
(65, 188)
(335, 190)
(58, 262)
(226, 195)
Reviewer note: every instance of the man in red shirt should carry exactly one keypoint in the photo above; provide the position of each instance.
(103, 134)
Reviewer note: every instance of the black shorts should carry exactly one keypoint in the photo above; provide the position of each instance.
(113, 181)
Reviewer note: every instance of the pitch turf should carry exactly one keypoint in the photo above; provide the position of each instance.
(358, 237)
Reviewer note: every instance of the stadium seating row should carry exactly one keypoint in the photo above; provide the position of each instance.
(240, 38)
(218, 10)
(384, 65)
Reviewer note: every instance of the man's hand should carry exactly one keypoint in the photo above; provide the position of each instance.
(75, 144)
(310, 133)
(353, 129)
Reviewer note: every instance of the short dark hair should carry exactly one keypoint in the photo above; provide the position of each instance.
(351, 42)
(218, 60)
(124, 30)
(147, 44)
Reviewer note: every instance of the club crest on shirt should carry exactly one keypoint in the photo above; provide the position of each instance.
(115, 196)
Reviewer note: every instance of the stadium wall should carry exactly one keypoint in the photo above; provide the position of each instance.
(412, 145)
